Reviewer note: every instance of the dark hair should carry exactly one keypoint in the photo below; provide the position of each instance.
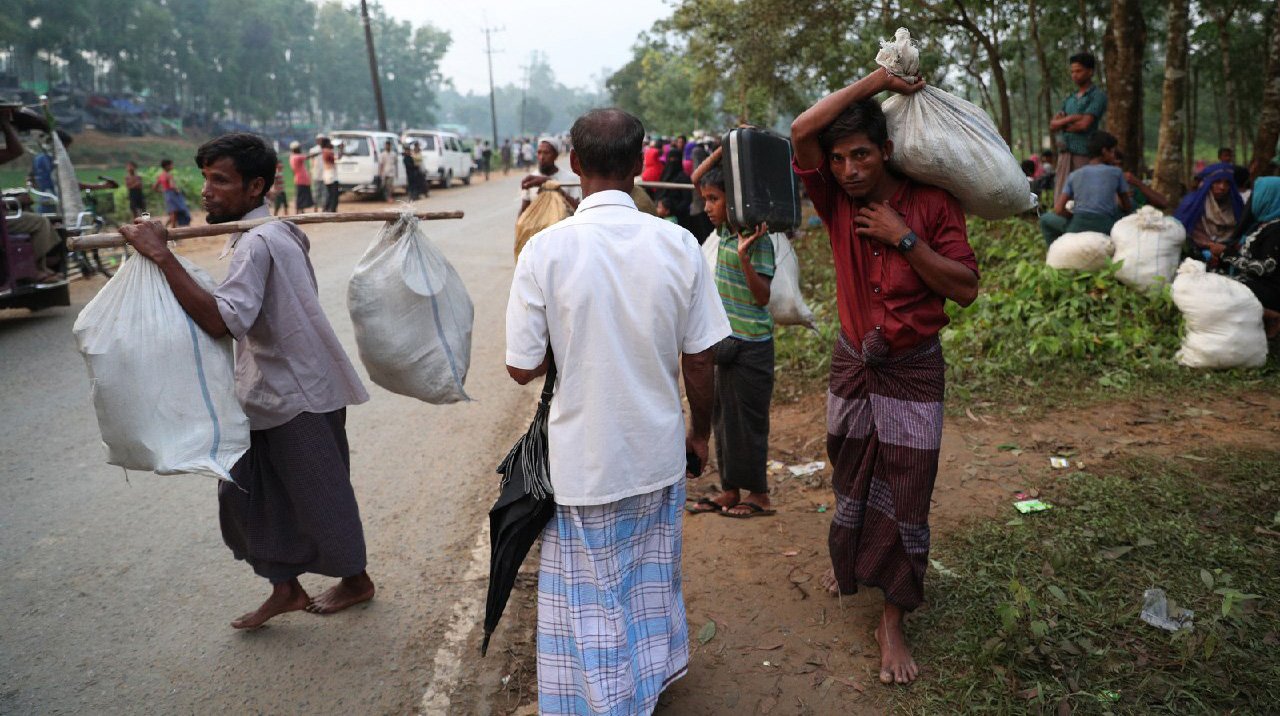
(1046, 153)
(1028, 167)
(1100, 142)
(1085, 60)
(166, 163)
(1226, 150)
(714, 177)
(251, 155)
(608, 143)
(863, 117)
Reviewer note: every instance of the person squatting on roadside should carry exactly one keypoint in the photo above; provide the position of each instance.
(1099, 189)
(291, 508)
(901, 250)
(622, 302)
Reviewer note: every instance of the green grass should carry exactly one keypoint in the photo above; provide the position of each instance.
(1042, 609)
(1036, 337)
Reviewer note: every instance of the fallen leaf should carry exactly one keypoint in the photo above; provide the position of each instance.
(969, 412)
(770, 647)
(1030, 693)
(1265, 531)
(853, 685)
(707, 632)
(1195, 458)
(1144, 542)
(790, 553)
(1115, 552)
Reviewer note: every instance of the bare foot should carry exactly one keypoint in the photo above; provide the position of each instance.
(896, 664)
(286, 597)
(346, 593)
(829, 583)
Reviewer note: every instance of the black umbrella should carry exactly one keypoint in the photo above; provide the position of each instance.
(525, 505)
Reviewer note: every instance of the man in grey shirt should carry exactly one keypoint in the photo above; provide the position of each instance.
(292, 508)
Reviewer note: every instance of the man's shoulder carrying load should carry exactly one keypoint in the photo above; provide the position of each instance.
(945, 141)
(550, 207)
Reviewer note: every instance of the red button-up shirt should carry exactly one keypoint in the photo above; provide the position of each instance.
(876, 288)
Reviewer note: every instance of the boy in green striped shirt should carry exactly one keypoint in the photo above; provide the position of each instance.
(744, 361)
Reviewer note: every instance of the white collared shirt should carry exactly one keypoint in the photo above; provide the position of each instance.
(618, 295)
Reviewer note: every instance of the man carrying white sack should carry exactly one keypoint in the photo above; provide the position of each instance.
(292, 508)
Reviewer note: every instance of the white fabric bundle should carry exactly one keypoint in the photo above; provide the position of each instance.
(1082, 251)
(786, 303)
(942, 140)
(1150, 244)
(163, 389)
(412, 316)
(1223, 320)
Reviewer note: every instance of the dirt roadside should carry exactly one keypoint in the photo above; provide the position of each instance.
(780, 645)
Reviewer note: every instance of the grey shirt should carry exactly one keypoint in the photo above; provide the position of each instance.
(288, 359)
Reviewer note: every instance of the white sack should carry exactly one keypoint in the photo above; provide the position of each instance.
(412, 316)
(942, 140)
(1082, 251)
(1222, 317)
(163, 389)
(786, 303)
(1149, 244)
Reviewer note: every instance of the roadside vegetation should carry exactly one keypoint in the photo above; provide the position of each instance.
(1040, 613)
(1036, 338)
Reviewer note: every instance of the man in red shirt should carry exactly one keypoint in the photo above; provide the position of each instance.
(901, 250)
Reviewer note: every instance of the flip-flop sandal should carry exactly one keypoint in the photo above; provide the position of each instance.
(753, 510)
(703, 506)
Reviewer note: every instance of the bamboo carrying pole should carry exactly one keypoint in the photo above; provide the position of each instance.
(103, 241)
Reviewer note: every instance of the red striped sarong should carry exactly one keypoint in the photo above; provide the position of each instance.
(884, 431)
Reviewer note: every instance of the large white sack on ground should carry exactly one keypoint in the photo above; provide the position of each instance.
(786, 303)
(1149, 244)
(163, 389)
(942, 140)
(1222, 317)
(412, 316)
(1081, 251)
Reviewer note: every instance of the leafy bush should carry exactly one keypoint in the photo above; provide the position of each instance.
(1033, 333)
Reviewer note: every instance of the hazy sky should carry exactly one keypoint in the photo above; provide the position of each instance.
(581, 37)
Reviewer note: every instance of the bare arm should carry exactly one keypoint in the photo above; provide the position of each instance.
(707, 165)
(1060, 204)
(806, 128)
(759, 285)
(946, 277)
(1154, 198)
(699, 386)
(149, 239)
(522, 376)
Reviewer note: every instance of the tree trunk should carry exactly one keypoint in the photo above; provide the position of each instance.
(1264, 143)
(1228, 85)
(1046, 75)
(1193, 121)
(1123, 48)
(1173, 112)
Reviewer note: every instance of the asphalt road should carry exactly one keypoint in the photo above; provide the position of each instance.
(117, 590)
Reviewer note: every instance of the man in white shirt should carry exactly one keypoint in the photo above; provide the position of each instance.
(623, 303)
(388, 161)
(548, 153)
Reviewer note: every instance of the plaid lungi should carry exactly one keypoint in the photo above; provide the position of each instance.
(611, 621)
(884, 431)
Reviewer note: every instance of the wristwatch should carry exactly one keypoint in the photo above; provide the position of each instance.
(908, 242)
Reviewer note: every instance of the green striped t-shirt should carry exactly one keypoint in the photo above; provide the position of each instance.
(748, 321)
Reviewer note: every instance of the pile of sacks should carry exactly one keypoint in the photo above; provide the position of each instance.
(1222, 317)
(1147, 243)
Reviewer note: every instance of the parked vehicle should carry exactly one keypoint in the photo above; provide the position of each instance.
(444, 156)
(357, 158)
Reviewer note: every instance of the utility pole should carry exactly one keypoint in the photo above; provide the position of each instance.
(493, 106)
(373, 66)
(524, 91)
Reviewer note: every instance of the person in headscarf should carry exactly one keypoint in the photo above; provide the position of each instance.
(1211, 213)
(676, 201)
(1254, 250)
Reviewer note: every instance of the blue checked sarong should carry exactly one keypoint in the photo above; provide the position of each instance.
(611, 621)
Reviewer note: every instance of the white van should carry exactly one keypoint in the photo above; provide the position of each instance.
(358, 153)
(443, 156)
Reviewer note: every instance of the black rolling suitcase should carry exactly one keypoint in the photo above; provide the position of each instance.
(759, 184)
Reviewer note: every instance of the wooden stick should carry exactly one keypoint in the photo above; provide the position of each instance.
(645, 184)
(103, 241)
